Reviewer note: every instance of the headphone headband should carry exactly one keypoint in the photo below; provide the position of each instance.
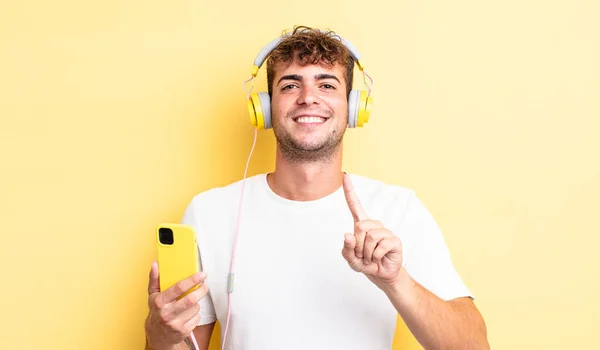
(264, 53)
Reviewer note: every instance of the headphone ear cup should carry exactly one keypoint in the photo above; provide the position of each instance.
(259, 108)
(353, 108)
(265, 103)
(364, 108)
(254, 111)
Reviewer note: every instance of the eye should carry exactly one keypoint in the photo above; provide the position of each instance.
(288, 87)
(328, 86)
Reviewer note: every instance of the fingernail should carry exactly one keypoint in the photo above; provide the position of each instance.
(359, 255)
(347, 238)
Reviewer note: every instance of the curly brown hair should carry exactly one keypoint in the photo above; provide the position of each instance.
(311, 46)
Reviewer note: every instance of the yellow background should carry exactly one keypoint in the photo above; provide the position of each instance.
(113, 114)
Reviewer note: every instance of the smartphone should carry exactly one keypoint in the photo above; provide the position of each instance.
(178, 256)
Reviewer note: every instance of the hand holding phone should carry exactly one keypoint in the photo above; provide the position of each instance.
(173, 295)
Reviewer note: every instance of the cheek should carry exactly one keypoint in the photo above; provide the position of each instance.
(275, 110)
(341, 107)
(278, 107)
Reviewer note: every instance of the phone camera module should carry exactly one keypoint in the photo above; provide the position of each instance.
(165, 235)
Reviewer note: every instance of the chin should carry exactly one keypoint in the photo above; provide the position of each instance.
(308, 143)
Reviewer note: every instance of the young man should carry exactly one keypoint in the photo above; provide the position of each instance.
(325, 259)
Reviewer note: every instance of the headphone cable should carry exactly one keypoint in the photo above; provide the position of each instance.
(232, 270)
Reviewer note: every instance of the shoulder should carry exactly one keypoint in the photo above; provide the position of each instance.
(222, 197)
(392, 204)
(378, 193)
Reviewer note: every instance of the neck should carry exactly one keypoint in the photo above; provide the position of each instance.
(306, 181)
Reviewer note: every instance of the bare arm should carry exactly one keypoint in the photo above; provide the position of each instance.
(377, 252)
(435, 323)
(203, 334)
(180, 346)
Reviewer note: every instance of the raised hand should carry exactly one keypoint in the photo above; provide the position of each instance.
(372, 249)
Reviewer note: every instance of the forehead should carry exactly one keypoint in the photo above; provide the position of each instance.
(295, 67)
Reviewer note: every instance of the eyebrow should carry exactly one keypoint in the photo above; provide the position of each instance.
(299, 78)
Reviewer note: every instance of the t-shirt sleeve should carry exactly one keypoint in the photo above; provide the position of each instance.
(207, 308)
(427, 257)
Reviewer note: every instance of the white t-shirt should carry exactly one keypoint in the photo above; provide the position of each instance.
(293, 289)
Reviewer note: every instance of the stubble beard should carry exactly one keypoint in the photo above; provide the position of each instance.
(296, 152)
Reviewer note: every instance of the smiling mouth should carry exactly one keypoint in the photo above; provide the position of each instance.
(310, 120)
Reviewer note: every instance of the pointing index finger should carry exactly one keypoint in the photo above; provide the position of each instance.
(354, 204)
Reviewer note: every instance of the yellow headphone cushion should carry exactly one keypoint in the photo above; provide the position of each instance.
(364, 108)
(259, 108)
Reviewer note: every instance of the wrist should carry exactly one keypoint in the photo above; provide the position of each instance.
(150, 346)
(402, 285)
(153, 344)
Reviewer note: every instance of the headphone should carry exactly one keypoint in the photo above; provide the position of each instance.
(359, 101)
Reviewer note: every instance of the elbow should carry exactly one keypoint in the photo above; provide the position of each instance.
(476, 339)
(472, 344)
(481, 344)
(479, 341)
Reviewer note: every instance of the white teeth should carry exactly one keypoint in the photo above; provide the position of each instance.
(310, 120)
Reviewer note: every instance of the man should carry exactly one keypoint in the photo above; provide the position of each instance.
(325, 259)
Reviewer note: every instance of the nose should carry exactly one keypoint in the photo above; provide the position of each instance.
(308, 95)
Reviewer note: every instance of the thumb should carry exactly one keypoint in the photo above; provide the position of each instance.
(154, 279)
(349, 245)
